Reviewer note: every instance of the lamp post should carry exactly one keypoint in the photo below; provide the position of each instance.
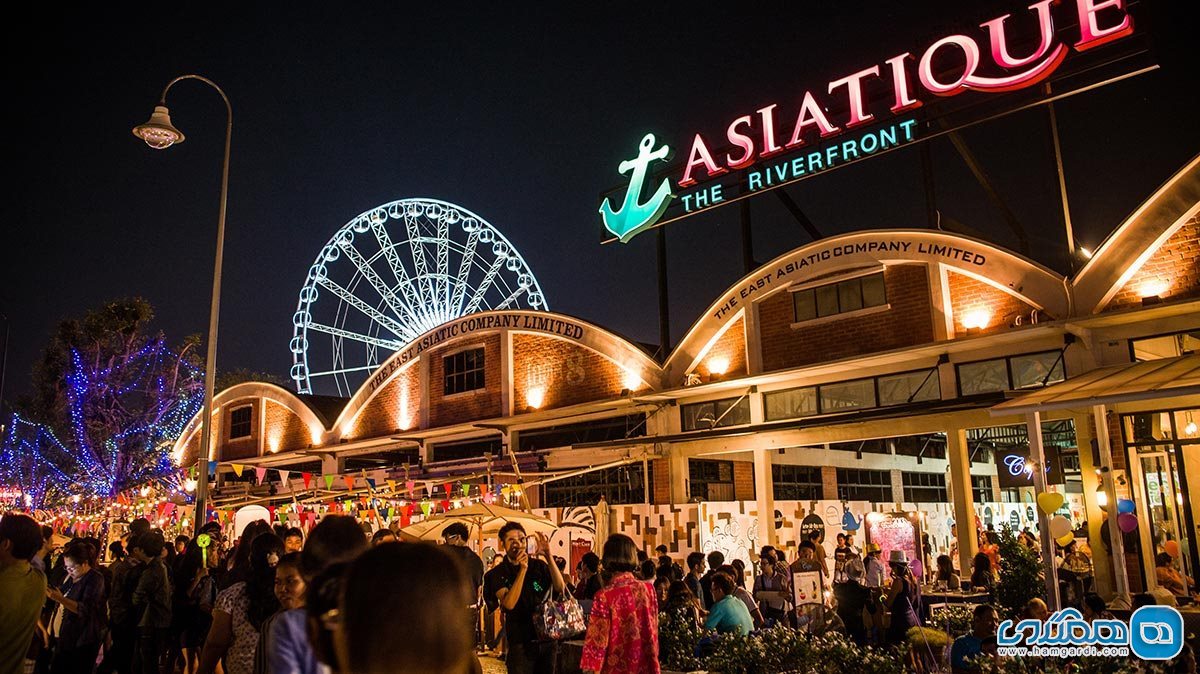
(160, 134)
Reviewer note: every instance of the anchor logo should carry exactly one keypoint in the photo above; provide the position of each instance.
(632, 217)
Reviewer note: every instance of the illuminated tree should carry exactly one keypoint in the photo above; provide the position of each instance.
(110, 398)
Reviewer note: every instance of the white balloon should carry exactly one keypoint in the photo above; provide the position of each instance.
(1060, 526)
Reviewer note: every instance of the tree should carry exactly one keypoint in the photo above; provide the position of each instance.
(1020, 576)
(115, 396)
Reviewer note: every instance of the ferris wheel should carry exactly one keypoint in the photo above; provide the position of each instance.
(390, 275)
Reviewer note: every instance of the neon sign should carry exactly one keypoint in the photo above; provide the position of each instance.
(633, 217)
(947, 67)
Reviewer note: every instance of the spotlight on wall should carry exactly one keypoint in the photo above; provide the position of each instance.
(718, 365)
(1190, 429)
(535, 396)
(1151, 290)
(977, 318)
(1085, 252)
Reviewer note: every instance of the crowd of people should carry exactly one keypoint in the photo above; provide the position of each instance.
(276, 600)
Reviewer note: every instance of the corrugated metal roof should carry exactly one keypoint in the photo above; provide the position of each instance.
(1146, 380)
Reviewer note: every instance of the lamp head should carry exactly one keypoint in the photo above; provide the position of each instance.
(158, 132)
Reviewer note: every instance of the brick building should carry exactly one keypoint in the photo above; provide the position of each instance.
(867, 367)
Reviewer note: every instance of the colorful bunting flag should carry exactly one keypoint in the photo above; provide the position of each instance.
(307, 479)
(260, 473)
(329, 481)
(237, 468)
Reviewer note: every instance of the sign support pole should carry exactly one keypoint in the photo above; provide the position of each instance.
(664, 312)
(1062, 183)
(1037, 454)
(747, 238)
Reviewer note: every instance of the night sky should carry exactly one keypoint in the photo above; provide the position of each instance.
(520, 113)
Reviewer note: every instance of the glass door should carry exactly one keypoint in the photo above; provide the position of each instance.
(1164, 501)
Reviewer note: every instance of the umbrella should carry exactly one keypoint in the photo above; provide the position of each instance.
(485, 518)
(603, 524)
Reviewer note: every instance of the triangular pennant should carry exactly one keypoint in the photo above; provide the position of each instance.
(466, 489)
(392, 485)
(307, 479)
(426, 507)
(260, 473)
(271, 512)
(371, 483)
(445, 505)
(284, 476)
(329, 481)
(237, 468)
(410, 485)
(212, 467)
(447, 487)
(349, 481)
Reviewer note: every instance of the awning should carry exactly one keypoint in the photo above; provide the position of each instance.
(1148, 380)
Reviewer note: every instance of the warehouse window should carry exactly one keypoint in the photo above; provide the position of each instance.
(463, 371)
(710, 480)
(864, 485)
(842, 297)
(620, 484)
(797, 483)
(1031, 370)
(715, 413)
(240, 422)
(925, 488)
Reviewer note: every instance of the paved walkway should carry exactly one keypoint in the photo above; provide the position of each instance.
(492, 665)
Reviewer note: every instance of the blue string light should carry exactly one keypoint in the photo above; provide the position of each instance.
(96, 460)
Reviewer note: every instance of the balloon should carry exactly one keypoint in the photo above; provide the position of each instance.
(1064, 540)
(1059, 526)
(1049, 502)
(1124, 505)
(1172, 548)
(1127, 522)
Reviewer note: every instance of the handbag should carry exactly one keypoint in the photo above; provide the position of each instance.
(561, 619)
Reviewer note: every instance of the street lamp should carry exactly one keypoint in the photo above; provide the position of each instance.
(160, 134)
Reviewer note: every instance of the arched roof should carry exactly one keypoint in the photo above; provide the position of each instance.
(1138, 237)
(608, 344)
(310, 416)
(1028, 280)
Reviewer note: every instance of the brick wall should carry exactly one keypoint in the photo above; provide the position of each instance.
(244, 447)
(661, 468)
(968, 294)
(1175, 266)
(829, 483)
(908, 322)
(566, 372)
(396, 408)
(743, 480)
(730, 348)
(461, 407)
(285, 428)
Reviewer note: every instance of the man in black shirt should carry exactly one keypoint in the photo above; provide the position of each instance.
(715, 559)
(456, 542)
(695, 563)
(518, 585)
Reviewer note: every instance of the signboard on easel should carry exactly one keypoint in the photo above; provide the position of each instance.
(898, 531)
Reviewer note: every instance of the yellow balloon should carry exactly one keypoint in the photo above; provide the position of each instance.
(1049, 502)
(1064, 540)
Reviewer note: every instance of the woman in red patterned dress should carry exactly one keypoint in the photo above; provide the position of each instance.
(622, 635)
